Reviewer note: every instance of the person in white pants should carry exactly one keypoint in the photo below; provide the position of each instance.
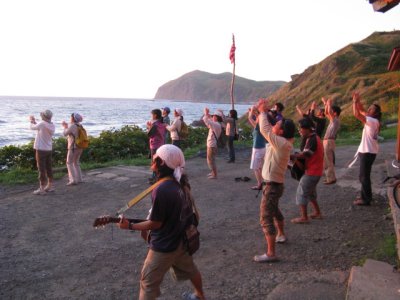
(74, 152)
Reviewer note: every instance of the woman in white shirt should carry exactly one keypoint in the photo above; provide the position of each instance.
(43, 146)
(368, 147)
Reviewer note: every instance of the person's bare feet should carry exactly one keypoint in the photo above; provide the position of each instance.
(300, 220)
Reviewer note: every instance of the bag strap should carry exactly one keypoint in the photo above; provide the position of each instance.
(143, 194)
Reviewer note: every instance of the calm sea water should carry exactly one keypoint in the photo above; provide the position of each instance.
(98, 114)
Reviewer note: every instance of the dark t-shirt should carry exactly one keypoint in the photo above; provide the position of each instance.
(170, 207)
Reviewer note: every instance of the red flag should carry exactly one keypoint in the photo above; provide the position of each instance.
(233, 49)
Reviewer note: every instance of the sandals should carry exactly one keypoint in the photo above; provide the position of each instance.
(244, 178)
(265, 258)
(256, 188)
(300, 221)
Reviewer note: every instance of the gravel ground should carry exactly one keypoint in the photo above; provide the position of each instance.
(49, 249)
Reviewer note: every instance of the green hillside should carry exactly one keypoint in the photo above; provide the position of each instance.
(359, 67)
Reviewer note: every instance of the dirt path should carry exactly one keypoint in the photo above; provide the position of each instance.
(49, 249)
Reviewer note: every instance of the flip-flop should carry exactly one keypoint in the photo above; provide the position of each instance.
(299, 221)
(265, 258)
(256, 188)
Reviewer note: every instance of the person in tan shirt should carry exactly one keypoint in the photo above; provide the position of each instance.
(280, 138)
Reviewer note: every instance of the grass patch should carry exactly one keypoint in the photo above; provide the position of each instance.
(387, 250)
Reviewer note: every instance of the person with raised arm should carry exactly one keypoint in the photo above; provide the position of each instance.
(215, 129)
(332, 112)
(280, 138)
(369, 147)
(259, 148)
(43, 146)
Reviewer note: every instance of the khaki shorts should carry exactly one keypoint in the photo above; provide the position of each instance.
(179, 262)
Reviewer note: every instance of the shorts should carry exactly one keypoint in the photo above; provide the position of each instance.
(179, 262)
(307, 189)
(257, 158)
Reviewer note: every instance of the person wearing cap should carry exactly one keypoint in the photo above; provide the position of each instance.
(215, 129)
(43, 146)
(175, 127)
(280, 139)
(166, 120)
(74, 152)
(171, 213)
(312, 151)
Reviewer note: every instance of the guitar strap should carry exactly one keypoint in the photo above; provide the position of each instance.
(142, 195)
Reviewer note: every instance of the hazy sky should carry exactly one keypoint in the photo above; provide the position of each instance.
(121, 48)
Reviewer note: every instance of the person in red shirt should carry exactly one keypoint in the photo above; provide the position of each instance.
(312, 152)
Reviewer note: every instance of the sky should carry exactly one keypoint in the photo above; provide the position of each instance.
(129, 48)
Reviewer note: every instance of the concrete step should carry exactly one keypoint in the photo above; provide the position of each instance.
(374, 280)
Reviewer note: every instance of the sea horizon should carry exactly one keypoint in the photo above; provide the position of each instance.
(98, 113)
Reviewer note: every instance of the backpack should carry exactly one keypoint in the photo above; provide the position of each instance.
(221, 140)
(184, 132)
(81, 140)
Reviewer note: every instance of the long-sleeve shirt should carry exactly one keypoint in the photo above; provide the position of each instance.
(278, 152)
(175, 128)
(71, 132)
(212, 127)
(44, 134)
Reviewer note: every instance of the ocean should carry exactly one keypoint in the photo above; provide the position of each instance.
(98, 114)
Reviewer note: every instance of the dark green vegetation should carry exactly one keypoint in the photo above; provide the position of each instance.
(128, 145)
(201, 86)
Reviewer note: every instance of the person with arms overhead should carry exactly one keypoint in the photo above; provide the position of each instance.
(259, 148)
(280, 138)
(332, 112)
(369, 146)
(215, 129)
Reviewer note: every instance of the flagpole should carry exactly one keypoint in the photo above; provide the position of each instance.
(233, 60)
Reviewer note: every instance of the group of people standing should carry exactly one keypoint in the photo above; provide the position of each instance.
(43, 145)
(315, 156)
(173, 207)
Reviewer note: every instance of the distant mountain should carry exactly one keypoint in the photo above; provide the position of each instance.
(199, 86)
(359, 67)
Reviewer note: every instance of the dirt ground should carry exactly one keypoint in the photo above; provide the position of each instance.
(49, 249)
